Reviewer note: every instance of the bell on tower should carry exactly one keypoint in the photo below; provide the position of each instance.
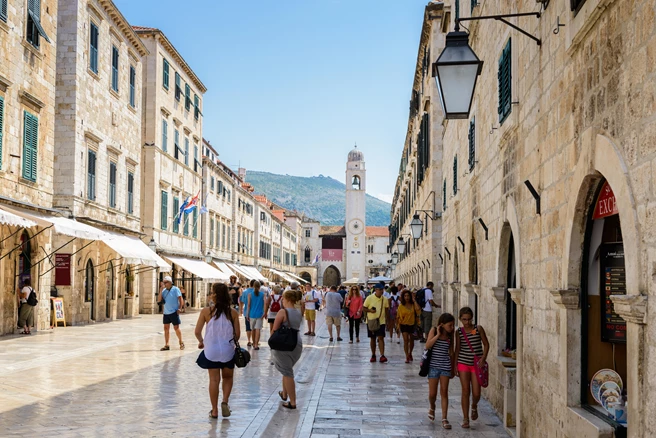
(355, 182)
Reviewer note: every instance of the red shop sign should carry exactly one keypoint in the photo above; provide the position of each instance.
(63, 269)
(606, 205)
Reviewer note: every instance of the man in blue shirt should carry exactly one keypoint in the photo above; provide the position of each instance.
(173, 302)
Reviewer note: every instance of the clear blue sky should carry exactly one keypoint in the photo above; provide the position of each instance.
(293, 84)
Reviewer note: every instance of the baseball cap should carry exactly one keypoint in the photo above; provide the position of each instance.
(380, 286)
(168, 278)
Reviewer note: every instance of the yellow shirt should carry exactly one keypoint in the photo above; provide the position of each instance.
(380, 304)
(406, 316)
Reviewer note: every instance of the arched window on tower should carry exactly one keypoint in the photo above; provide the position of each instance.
(308, 254)
(355, 182)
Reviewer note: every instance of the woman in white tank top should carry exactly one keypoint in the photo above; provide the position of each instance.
(221, 323)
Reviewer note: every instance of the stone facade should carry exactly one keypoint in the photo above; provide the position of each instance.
(27, 87)
(580, 115)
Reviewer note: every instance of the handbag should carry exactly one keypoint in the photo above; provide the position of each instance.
(424, 365)
(482, 373)
(242, 357)
(374, 324)
(285, 338)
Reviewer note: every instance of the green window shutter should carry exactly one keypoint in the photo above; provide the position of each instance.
(186, 151)
(133, 91)
(165, 76)
(164, 210)
(178, 89)
(176, 211)
(112, 185)
(165, 135)
(93, 47)
(196, 106)
(195, 222)
(474, 3)
(505, 82)
(455, 175)
(3, 10)
(30, 146)
(187, 97)
(91, 175)
(472, 143)
(130, 192)
(211, 232)
(444, 195)
(115, 55)
(2, 123)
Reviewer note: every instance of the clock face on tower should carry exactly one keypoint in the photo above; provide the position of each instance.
(356, 226)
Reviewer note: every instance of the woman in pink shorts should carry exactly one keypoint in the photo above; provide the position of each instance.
(465, 359)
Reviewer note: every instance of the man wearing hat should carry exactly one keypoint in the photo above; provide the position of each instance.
(172, 298)
(377, 306)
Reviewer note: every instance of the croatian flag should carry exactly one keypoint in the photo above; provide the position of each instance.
(190, 204)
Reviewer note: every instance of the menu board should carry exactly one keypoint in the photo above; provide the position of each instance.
(612, 282)
(63, 269)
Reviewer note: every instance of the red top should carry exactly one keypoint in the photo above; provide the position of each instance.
(355, 306)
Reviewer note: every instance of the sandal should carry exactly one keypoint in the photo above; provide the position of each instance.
(256, 348)
(250, 344)
(181, 345)
(431, 414)
(24, 333)
(445, 423)
(282, 397)
(288, 405)
(225, 409)
(474, 413)
(165, 348)
(465, 424)
(213, 416)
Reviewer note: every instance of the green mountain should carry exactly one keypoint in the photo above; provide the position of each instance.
(319, 197)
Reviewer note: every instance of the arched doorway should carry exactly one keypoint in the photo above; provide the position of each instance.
(473, 278)
(109, 293)
(306, 276)
(90, 289)
(331, 276)
(511, 307)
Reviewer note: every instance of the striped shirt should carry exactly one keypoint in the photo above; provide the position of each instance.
(440, 358)
(466, 356)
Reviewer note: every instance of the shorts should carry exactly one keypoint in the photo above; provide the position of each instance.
(172, 318)
(271, 320)
(462, 368)
(407, 328)
(436, 373)
(310, 314)
(336, 320)
(256, 323)
(248, 324)
(207, 364)
(380, 333)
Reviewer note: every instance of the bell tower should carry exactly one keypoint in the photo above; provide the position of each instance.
(356, 245)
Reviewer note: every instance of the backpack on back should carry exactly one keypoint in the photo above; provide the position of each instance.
(275, 304)
(31, 299)
(421, 298)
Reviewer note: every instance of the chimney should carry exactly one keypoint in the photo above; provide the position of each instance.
(242, 173)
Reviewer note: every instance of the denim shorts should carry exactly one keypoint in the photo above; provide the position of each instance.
(436, 373)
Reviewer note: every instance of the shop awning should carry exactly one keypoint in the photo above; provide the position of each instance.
(255, 273)
(61, 225)
(248, 272)
(14, 220)
(199, 268)
(283, 275)
(223, 267)
(134, 251)
(297, 277)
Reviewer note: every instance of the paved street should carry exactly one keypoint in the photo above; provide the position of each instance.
(111, 380)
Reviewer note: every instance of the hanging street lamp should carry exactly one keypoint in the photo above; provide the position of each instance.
(401, 245)
(416, 226)
(395, 258)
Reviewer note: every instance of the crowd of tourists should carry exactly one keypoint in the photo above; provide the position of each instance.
(390, 309)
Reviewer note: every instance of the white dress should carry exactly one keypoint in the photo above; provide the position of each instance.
(219, 344)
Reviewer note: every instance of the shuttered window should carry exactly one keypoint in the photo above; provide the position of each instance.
(186, 151)
(212, 183)
(165, 135)
(218, 233)
(195, 215)
(455, 175)
(133, 91)
(185, 228)
(91, 175)
(130, 192)
(165, 75)
(472, 143)
(30, 146)
(93, 47)
(176, 144)
(223, 236)
(2, 124)
(164, 210)
(212, 232)
(575, 5)
(196, 106)
(187, 97)
(178, 89)
(474, 3)
(444, 195)
(505, 83)
(3, 10)
(34, 29)
(176, 211)
(112, 185)
(115, 68)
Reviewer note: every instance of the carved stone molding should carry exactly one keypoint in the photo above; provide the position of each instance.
(632, 308)
(517, 296)
(473, 288)
(566, 298)
(499, 293)
(455, 286)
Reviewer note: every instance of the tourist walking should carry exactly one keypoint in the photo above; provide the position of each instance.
(273, 305)
(334, 312)
(442, 365)
(311, 299)
(243, 307)
(407, 318)
(26, 305)
(234, 289)
(394, 302)
(354, 303)
(424, 298)
(284, 361)
(377, 307)
(221, 323)
(255, 312)
(466, 370)
(173, 305)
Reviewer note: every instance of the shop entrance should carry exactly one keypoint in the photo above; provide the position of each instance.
(90, 289)
(109, 294)
(511, 307)
(24, 271)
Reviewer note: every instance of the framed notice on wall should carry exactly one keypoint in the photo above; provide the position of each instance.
(62, 270)
(612, 282)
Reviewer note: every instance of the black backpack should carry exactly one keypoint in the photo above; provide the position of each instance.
(31, 299)
(421, 298)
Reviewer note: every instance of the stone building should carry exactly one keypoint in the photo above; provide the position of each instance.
(27, 142)
(172, 160)
(97, 164)
(560, 156)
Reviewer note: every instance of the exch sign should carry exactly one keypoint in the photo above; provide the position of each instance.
(606, 205)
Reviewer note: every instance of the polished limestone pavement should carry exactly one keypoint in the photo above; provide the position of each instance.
(111, 380)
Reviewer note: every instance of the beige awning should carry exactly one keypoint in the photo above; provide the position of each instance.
(297, 277)
(134, 251)
(15, 220)
(60, 224)
(223, 267)
(283, 275)
(199, 268)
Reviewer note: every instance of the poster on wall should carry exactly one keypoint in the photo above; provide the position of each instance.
(613, 282)
(62, 270)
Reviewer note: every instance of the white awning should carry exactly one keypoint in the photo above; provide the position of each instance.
(255, 273)
(241, 270)
(223, 267)
(15, 220)
(61, 225)
(134, 251)
(297, 277)
(282, 274)
(199, 268)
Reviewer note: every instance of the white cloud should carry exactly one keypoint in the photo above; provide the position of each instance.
(385, 197)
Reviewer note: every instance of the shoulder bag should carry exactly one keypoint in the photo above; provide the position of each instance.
(31, 298)
(242, 357)
(374, 324)
(482, 373)
(285, 338)
(424, 365)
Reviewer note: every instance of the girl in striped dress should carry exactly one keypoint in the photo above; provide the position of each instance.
(440, 342)
(466, 370)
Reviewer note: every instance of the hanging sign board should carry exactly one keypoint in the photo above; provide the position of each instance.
(612, 282)
(63, 270)
(606, 205)
(57, 311)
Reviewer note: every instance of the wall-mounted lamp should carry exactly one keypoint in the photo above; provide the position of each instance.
(152, 245)
(208, 257)
(417, 226)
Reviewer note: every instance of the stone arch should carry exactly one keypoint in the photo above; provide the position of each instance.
(306, 276)
(332, 276)
(510, 226)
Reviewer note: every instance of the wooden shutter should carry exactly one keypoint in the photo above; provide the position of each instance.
(112, 185)
(114, 68)
(505, 82)
(30, 146)
(91, 175)
(3, 10)
(2, 119)
(178, 89)
(472, 143)
(164, 210)
(176, 211)
(455, 175)
(165, 76)
(444, 195)
(165, 135)
(130, 192)
(133, 92)
(93, 48)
